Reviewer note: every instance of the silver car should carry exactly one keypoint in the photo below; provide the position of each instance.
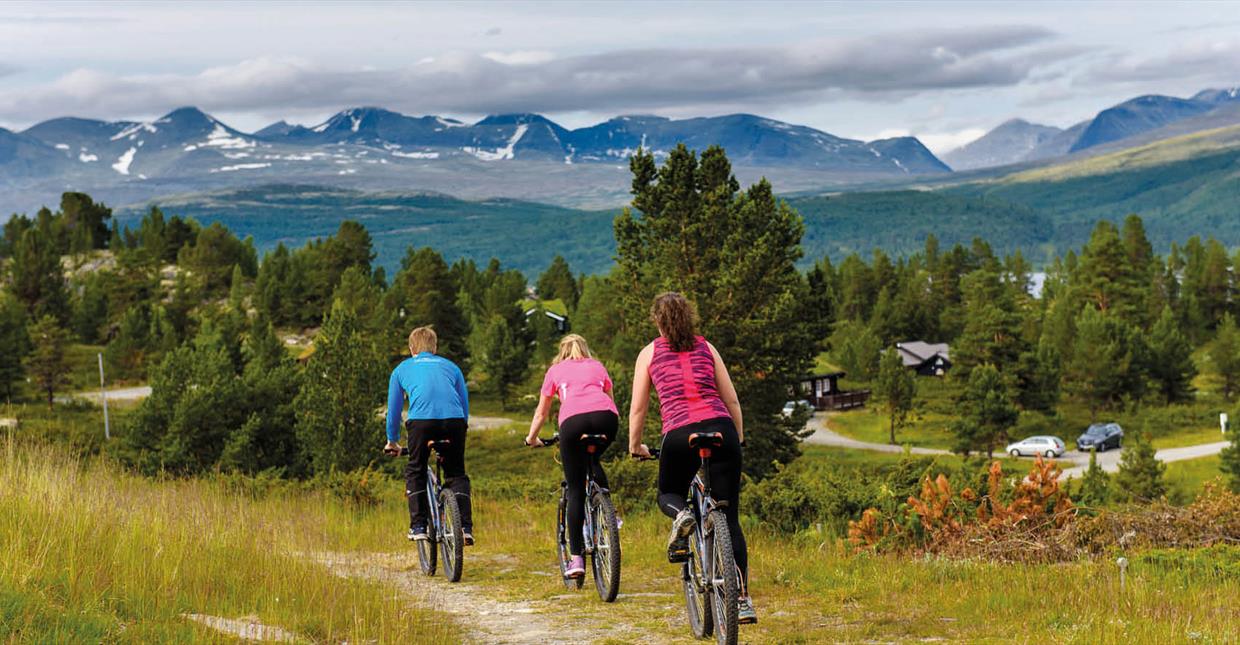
(1045, 446)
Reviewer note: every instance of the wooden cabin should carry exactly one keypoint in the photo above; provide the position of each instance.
(824, 392)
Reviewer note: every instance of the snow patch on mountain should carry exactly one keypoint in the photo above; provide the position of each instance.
(86, 158)
(415, 155)
(503, 153)
(220, 137)
(122, 162)
(133, 130)
(62, 146)
(242, 166)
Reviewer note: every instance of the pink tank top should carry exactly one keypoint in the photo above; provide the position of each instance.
(685, 382)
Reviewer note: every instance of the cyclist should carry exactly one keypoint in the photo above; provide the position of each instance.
(583, 387)
(438, 409)
(695, 395)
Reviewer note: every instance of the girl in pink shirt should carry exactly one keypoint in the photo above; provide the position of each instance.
(586, 408)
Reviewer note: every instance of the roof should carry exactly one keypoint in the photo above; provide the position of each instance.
(917, 352)
(550, 314)
(809, 377)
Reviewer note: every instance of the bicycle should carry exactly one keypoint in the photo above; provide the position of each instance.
(600, 530)
(444, 526)
(712, 582)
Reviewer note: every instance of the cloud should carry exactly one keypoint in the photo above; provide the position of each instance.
(1202, 57)
(936, 142)
(493, 31)
(878, 67)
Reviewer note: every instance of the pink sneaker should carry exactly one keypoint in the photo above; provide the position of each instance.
(576, 567)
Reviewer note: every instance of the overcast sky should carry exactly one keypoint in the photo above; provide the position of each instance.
(945, 72)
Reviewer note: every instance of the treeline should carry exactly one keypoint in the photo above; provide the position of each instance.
(1115, 326)
(191, 309)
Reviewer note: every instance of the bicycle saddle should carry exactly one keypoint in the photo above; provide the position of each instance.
(706, 439)
(437, 443)
(594, 439)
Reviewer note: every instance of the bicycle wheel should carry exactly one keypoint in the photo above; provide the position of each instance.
(452, 542)
(562, 554)
(606, 556)
(726, 584)
(427, 554)
(697, 590)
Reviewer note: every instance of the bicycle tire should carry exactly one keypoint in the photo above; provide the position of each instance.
(427, 555)
(697, 594)
(562, 554)
(725, 590)
(606, 556)
(452, 544)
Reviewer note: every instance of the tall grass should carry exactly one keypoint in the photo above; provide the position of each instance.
(89, 554)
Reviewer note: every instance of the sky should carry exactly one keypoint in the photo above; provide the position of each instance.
(945, 72)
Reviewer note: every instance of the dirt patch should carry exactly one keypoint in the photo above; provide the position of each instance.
(246, 628)
(488, 423)
(485, 619)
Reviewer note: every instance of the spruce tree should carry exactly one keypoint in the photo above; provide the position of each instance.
(46, 362)
(1224, 355)
(14, 344)
(424, 292)
(37, 278)
(1105, 363)
(856, 349)
(895, 388)
(1095, 489)
(1171, 366)
(1229, 458)
(558, 282)
(1140, 476)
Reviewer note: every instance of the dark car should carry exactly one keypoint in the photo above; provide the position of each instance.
(1101, 437)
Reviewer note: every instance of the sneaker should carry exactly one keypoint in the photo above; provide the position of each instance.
(469, 538)
(576, 567)
(745, 614)
(678, 541)
(619, 522)
(417, 534)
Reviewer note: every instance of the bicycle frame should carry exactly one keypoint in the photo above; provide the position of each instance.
(432, 496)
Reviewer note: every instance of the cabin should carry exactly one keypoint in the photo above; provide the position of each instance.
(824, 392)
(927, 359)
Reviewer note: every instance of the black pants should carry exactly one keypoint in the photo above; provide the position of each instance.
(576, 461)
(420, 432)
(678, 463)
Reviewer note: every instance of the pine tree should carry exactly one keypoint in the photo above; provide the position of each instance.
(46, 361)
(1225, 355)
(501, 354)
(14, 343)
(345, 383)
(37, 278)
(856, 349)
(1171, 364)
(734, 254)
(986, 412)
(1105, 362)
(424, 292)
(1106, 278)
(896, 388)
(558, 282)
(1140, 476)
(1095, 488)
(90, 308)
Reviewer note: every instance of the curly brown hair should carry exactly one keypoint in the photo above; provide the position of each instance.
(676, 319)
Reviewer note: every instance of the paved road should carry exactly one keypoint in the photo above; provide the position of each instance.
(120, 394)
(1075, 462)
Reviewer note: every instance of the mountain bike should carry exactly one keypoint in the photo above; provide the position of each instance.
(600, 530)
(710, 577)
(443, 531)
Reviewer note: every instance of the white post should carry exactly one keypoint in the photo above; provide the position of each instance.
(103, 394)
(1222, 421)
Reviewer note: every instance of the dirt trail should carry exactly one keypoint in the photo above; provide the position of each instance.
(485, 619)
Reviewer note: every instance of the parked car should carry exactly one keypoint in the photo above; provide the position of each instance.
(1045, 446)
(791, 407)
(1100, 437)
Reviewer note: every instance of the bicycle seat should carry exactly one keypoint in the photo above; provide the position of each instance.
(706, 440)
(594, 439)
(437, 444)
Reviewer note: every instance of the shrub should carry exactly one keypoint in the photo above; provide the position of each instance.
(634, 484)
(361, 488)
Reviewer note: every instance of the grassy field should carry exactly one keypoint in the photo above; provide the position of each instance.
(1185, 479)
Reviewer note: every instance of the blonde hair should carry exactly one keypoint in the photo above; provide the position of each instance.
(423, 339)
(572, 347)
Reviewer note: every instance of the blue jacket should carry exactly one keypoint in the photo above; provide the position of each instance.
(434, 388)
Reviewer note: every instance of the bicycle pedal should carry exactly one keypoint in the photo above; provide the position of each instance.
(678, 556)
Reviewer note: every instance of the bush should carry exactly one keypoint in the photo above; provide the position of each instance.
(634, 484)
(361, 488)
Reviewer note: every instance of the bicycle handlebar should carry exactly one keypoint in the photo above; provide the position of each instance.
(393, 453)
(654, 454)
(549, 441)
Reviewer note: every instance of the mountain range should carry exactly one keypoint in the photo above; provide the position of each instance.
(511, 155)
(1017, 140)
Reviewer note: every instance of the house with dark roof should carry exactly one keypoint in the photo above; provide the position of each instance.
(927, 359)
(823, 391)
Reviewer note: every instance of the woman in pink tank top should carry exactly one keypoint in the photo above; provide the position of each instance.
(584, 389)
(695, 395)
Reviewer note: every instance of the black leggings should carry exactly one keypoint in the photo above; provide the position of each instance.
(424, 430)
(575, 459)
(678, 463)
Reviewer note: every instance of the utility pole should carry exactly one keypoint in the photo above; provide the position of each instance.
(103, 394)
